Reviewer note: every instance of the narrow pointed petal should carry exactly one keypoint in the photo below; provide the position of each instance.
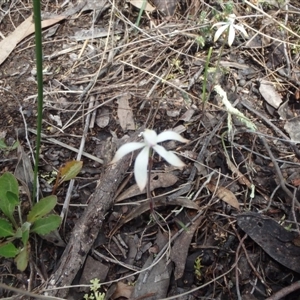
(219, 24)
(231, 35)
(125, 149)
(169, 156)
(220, 31)
(150, 137)
(231, 19)
(140, 168)
(242, 30)
(170, 135)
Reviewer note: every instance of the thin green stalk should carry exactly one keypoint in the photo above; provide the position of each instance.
(137, 23)
(204, 96)
(39, 70)
(205, 75)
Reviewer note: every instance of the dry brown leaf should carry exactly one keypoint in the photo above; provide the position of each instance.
(24, 171)
(187, 116)
(125, 114)
(292, 128)
(158, 202)
(139, 4)
(224, 194)
(242, 179)
(179, 251)
(296, 182)
(22, 31)
(157, 180)
(157, 282)
(122, 290)
(167, 7)
(270, 94)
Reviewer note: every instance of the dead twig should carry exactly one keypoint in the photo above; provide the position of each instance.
(65, 207)
(246, 104)
(285, 291)
(279, 174)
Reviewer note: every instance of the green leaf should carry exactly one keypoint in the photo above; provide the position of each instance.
(6, 228)
(8, 182)
(25, 233)
(2, 144)
(18, 233)
(46, 225)
(70, 170)
(22, 258)
(40, 209)
(9, 194)
(15, 145)
(8, 250)
(12, 197)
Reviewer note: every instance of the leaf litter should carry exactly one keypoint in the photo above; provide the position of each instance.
(154, 76)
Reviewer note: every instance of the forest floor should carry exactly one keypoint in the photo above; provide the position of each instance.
(225, 226)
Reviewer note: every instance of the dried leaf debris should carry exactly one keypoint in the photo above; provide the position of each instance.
(124, 66)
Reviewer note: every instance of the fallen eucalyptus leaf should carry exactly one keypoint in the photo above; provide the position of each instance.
(270, 94)
(157, 180)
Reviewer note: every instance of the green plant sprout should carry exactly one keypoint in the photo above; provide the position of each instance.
(228, 7)
(200, 40)
(204, 98)
(4, 147)
(14, 235)
(95, 294)
(176, 64)
(197, 268)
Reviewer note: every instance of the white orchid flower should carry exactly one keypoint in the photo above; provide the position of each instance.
(150, 142)
(231, 27)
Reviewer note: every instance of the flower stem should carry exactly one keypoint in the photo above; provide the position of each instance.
(149, 196)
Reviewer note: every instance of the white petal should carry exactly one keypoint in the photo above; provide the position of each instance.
(125, 149)
(150, 137)
(231, 19)
(242, 30)
(231, 35)
(219, 24)
(170, 135)
(140, 168)
(169, 156)
(220, 31)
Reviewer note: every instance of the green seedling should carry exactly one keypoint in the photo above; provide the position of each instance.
(197, 268)
(15, 233)
(4, 147)
(95, 294)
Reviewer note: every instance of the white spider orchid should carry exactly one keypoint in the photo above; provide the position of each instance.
(231, 27)
(150, 141)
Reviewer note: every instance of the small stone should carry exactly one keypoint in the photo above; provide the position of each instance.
(242, 82)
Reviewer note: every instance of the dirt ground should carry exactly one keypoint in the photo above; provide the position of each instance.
(225, 226)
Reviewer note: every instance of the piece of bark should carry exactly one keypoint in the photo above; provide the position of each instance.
(87, 227)
(179, 251)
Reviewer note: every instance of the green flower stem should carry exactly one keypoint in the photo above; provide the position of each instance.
(142, 9)
(39, 70)
(204, 98)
